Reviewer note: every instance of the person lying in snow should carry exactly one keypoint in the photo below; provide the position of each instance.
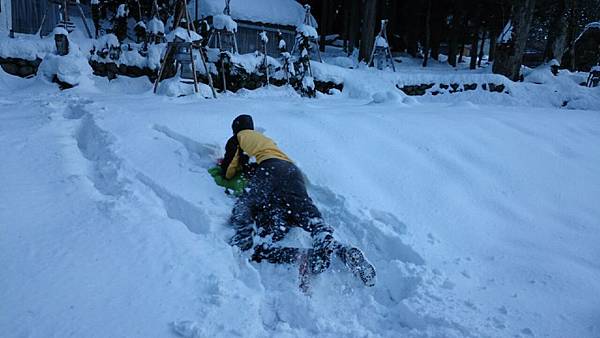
(276, 200)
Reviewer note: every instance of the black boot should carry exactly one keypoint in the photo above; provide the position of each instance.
(355, 260)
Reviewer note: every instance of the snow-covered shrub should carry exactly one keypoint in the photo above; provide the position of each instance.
(69, 70)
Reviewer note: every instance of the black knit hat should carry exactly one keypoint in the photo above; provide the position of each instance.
(242, 122)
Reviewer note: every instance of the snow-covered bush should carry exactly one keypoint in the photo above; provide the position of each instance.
(69, 70)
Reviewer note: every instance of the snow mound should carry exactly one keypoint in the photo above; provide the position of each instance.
(225, 22)
(386, 97)
(72, 68)
(175, 87)
(27, 47)
(156, 26)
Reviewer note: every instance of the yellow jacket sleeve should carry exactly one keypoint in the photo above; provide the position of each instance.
(234, 166)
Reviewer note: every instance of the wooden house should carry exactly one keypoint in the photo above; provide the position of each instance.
(25, 16)
(253, 17)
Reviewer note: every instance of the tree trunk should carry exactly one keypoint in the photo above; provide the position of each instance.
(557, 33)
(368, 30)
(346, 34)
(509, 55)
(324, 24)
(483, 37)
(454, 33)
(492, 51)
(427, 34)
(354, 25)
(572, 28)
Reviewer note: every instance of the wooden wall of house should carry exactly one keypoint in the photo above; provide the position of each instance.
(248, 39)
(27, 16)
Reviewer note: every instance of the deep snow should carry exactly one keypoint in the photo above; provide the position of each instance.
(479, 211)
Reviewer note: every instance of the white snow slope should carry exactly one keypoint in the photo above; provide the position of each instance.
(482, 220)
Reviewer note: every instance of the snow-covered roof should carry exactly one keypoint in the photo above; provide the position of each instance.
(280, 12)
(591, 25)
(184, 34)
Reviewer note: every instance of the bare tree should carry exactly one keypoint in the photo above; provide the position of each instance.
(509, 51)
(557, 32)
(368, 29)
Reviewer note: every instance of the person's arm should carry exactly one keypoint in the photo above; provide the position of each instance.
(230, 164)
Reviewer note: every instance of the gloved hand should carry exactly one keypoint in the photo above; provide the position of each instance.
(237, 183)
(243, 241)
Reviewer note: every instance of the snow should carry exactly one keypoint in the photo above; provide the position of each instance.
(381, 42)
(264, 38)
(107, 41)
(251, 61)
(478, 209)
(122, 11)
(595, 68)
(591, 25)
(506, 34)
(184, 34)
(222, 21)
(307, 31)
(283, 12)
(72, 68)
(27, 47)
(58, 30)
(282, 44)
(486, 225)
(156, 26)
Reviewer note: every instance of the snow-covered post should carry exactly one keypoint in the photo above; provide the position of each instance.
(156, 30)
(61, 40)
(288, 66)
(225, 27)
(141, 33)
(120, 24)
(95, 8)
(265, 40)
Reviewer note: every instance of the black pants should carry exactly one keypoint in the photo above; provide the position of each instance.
(276, 200)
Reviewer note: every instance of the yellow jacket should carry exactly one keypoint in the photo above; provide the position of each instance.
(255, 145)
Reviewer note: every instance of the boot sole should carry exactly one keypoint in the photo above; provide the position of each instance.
(360, 266)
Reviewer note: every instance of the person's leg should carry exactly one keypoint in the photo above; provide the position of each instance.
(242, 221)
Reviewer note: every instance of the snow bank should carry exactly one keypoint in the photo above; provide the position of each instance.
(174, 87)
(251, 61)
(481, 219)
(27, 47)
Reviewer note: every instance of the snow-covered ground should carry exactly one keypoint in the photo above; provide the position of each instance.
(479, 211)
